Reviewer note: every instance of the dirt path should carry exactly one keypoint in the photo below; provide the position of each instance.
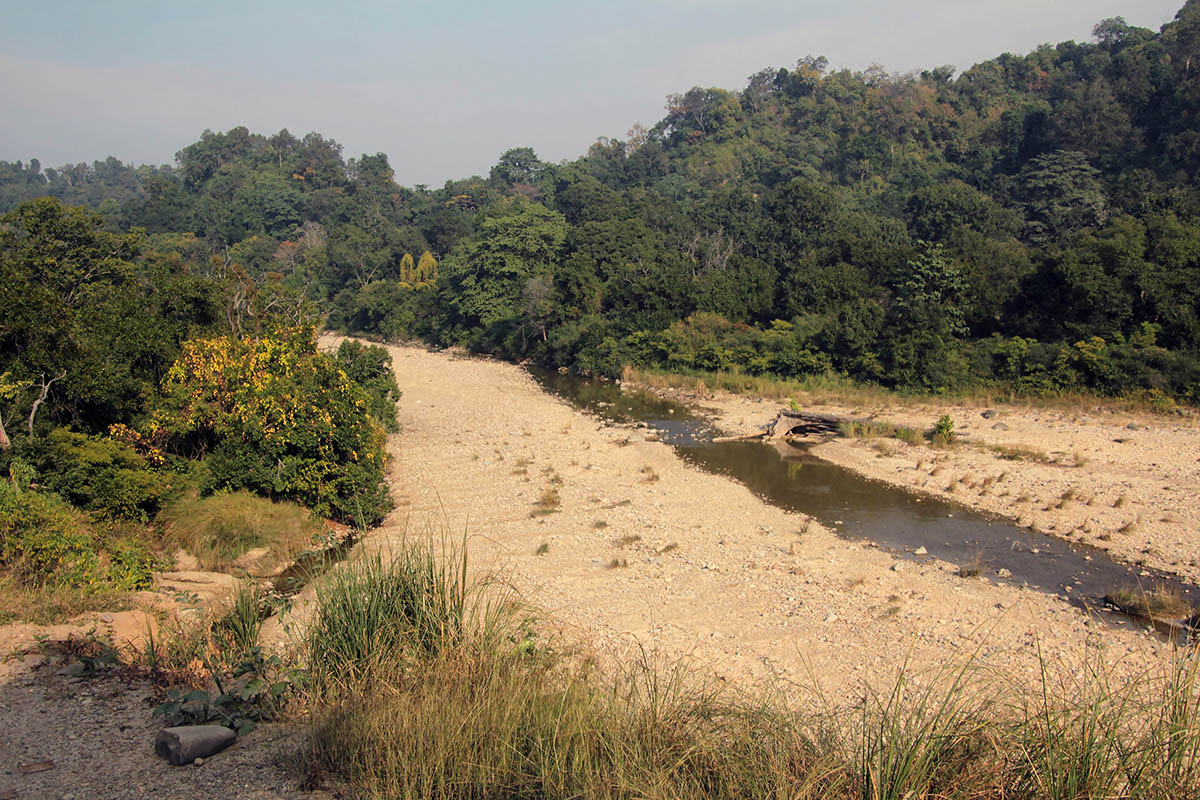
(705, 568)
(1126, 483)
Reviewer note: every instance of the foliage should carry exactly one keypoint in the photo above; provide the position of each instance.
(370, 366)
(255, 691)
(1031, 224)
(45, 540)
(275, 416)
(98, 474)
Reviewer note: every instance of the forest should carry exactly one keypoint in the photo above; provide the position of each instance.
(1030, 224)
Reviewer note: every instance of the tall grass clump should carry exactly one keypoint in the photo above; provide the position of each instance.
(221, 528)
(381, 610)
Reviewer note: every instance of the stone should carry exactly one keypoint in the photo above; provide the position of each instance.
(898, 566)
(991, 413)
(186, 743)
(1003, 573)
(920, 551)
(1133, 426)
(999, 426)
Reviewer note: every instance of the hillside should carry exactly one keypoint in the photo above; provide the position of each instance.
(1031, 223)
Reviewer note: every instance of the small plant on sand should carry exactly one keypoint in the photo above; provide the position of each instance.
(548, 501)
(648, 474)
(972, 569)
(942, 433)
(599, 525)
(617, 563)
(543, 548)
(625, 541)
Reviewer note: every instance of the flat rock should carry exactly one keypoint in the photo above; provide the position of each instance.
(999, 426)
(186, 743)
(991, 413)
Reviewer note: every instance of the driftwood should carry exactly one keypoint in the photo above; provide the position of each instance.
(793, 425)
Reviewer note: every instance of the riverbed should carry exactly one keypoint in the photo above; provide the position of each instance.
(642, 550)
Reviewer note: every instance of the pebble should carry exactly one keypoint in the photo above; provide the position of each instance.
(920, 551)
(831, 618)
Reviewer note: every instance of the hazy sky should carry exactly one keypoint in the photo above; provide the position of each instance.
(444, 87)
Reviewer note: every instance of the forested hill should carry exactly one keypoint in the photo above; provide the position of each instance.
(1033, 221)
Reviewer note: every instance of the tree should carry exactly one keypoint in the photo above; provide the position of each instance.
(519, 241)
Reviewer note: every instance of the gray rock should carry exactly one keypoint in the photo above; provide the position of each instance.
(185, 744)
(991, 413)
(1133, 426)
(999, 426)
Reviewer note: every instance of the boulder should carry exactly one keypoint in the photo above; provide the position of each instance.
(186, 743)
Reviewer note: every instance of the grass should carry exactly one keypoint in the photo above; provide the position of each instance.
(428, 685)
(972, 569)
(1162, 601)
(52, 604)
(832, 388)
(1021, 453)
(548, 501)
(649, 475)
(219, 529)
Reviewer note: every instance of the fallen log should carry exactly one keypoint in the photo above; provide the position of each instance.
(791, 425)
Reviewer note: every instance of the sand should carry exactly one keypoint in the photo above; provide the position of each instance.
(705, 570)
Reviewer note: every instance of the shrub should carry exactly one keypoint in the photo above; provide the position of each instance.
(370, 367)
(943, 431)
(44, 539)
(276, 417)
(98, 474)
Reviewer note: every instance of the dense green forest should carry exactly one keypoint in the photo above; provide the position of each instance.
(1031, 223)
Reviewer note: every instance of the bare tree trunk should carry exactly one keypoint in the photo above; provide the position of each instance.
(42, 397)
(5, 443)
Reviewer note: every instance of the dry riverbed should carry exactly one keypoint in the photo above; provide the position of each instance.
(630, 548)
(641, 550)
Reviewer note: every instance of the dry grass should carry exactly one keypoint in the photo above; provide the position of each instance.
(50, 605)
(423, 687)
(219, 529)
(972, 569)
(548, 501)
(1021, 453)
(1161, 601)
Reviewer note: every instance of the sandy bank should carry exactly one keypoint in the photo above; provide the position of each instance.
(1126, 483)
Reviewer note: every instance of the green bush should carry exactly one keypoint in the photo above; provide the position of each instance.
(370, 367)
(45, 540)
(98, 474)
(275, 417)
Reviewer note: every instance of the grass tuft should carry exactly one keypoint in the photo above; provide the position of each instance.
(221, 528)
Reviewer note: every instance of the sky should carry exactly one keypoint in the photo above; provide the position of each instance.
(443, 88)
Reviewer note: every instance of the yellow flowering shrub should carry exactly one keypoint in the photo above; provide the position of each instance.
(277, 417)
